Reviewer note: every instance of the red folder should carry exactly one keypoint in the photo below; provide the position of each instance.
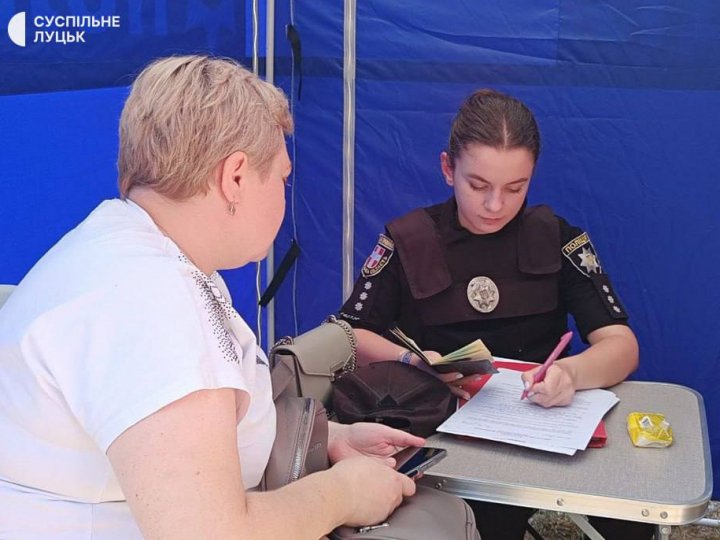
(599, 437)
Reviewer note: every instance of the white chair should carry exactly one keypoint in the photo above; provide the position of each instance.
(5, 291)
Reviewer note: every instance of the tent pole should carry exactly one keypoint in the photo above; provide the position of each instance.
(255, 69)
(270, 77)
(348, 146)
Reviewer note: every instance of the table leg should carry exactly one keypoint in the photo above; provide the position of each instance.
(582, 522)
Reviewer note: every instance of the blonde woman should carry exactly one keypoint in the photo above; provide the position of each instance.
(133, 399)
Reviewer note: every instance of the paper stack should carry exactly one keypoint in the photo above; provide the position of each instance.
(498, 414)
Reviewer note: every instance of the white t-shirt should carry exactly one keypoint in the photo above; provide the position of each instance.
(111, 325)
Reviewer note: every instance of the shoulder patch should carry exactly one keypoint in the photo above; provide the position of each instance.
(581, 253)
(379, 257)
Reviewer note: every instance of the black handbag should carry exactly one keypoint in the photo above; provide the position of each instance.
(395, 394)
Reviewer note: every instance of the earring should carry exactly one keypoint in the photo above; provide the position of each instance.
(231, 208)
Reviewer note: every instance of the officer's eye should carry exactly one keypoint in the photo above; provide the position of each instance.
(482, 187)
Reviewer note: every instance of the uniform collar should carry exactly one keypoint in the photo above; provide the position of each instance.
(451, 229)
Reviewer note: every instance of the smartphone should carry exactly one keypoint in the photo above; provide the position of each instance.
(412, 460)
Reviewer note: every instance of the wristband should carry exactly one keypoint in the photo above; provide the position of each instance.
(405, 357)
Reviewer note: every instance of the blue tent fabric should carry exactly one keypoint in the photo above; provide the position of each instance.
(110, 56)
(316, 194)
(627, 95)
(60, 107)
(313, 289)
(58, 162)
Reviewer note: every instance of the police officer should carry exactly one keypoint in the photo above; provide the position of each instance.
(484, 265)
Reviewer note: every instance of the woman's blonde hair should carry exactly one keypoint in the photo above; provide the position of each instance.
(185, 114)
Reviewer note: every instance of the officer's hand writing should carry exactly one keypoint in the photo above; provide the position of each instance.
(555, 391)
(375, 489)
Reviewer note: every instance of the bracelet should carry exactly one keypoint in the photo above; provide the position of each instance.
(405, 357)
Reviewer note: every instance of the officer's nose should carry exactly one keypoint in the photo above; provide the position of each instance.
(493, 201)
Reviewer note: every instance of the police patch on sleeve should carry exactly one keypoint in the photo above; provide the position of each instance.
(581, 253)
(379, 257)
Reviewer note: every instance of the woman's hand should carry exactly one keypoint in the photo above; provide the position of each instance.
(457, 383)
(367, 439)
(372, 489)
(454, 380)
(556, 390)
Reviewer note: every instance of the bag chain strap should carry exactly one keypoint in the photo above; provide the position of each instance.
(351, 364)
(286, 340)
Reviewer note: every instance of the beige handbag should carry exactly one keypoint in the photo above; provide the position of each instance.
(316, 358)
(430, 514)
(302, 370)
(300, 446)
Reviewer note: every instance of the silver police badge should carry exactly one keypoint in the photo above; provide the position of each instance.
(483, 294)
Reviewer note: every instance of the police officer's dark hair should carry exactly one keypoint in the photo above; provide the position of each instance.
(494, 119)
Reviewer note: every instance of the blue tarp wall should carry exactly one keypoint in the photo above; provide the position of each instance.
(627, 94)
(60, 106)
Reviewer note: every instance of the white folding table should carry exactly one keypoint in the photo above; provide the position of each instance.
(665, 486)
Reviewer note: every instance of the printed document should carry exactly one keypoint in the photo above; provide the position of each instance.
(497, 413)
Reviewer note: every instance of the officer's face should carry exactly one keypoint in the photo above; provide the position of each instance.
(490, 185)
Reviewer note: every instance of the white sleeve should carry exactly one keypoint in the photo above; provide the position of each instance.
(122, 353)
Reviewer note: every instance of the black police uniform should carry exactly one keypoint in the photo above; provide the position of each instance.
(531, 275)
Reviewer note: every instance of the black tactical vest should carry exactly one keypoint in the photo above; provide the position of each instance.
(523, 260)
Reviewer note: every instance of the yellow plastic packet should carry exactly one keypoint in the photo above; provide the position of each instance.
(649, 430)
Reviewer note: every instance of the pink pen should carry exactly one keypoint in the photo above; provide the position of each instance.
(540, 373)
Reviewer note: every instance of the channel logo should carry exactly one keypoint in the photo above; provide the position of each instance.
(16, 29)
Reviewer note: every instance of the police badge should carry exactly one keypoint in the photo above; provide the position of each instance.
(483, 294)
(581, 253)
(379, 257)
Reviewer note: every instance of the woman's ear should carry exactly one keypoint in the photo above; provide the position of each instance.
(233, 171)
(446, 168)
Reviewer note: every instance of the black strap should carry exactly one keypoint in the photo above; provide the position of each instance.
(421, 253)
(289, 259)
(293, 36)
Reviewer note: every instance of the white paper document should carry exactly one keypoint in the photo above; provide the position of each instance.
(496, 413)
